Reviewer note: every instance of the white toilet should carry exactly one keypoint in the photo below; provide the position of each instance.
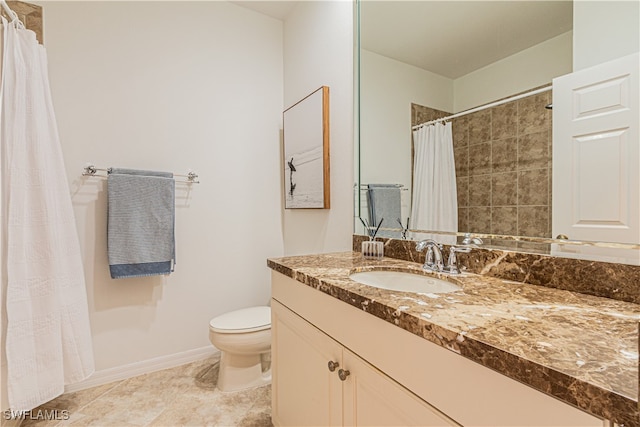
(243, 337)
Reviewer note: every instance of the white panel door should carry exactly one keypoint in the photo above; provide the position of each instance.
(596, 155)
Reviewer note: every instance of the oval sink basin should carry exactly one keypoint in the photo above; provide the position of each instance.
(403, 281)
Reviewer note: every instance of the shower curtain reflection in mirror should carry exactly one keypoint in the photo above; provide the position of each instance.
(434, 204)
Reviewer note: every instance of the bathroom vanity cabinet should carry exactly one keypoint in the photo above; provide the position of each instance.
(394, 377)
(320, 382)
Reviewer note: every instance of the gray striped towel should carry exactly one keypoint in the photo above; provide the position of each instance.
(384, 203)
(141, 223)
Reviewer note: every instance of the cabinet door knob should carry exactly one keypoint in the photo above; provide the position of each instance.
(343, 374)
(332, 365)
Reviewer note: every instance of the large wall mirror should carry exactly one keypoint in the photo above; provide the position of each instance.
(423, 60)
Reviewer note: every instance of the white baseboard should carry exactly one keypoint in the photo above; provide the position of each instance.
(118, 373)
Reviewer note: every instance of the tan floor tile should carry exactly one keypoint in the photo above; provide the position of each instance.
(256, 417)
(182, 396)
(260, 413)
(210, 408)
(261, 396)
(82, 420)
(76, 400)
(130, 405)
(39, 422)
(69, 402)
(207, 377)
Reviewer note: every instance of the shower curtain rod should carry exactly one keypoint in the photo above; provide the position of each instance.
(91, 170)
(484, 107)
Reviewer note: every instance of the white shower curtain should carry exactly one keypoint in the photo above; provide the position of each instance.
(48, 338)
(434, 204)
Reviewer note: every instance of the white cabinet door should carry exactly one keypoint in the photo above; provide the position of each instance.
(373, 399)
(596, 153)
(304, 391)
(307, 393)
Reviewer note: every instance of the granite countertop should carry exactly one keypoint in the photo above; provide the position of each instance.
(579, 348)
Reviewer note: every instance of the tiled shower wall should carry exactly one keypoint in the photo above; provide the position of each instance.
(503, 167)
(29, 14)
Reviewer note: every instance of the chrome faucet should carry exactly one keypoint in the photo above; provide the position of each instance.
(469, 239)
(452, 262)
(433, 259)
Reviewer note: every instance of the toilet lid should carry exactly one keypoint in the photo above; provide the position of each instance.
(246, 320)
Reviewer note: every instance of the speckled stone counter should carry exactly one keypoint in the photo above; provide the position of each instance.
(579, 348)
(602, 279)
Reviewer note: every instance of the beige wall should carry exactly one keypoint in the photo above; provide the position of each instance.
(318, 51)
(389, 87)
(518, 73)
(604, 30)
(172, 86)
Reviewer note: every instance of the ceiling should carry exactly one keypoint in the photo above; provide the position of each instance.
(453, 38)
(450, 38)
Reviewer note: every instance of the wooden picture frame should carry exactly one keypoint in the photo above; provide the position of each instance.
(306, 152)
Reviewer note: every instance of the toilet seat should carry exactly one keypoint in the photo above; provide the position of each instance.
(250, 319)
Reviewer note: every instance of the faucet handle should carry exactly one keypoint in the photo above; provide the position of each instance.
(470, 240)
(463, 249)
(452, 262)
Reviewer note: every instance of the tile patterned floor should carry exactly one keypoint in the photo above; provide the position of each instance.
(181, 396)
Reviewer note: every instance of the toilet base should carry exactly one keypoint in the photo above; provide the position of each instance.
(241, 371)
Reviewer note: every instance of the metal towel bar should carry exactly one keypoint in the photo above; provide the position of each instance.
(91, 170)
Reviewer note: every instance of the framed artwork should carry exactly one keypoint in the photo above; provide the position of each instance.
(306, 152)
